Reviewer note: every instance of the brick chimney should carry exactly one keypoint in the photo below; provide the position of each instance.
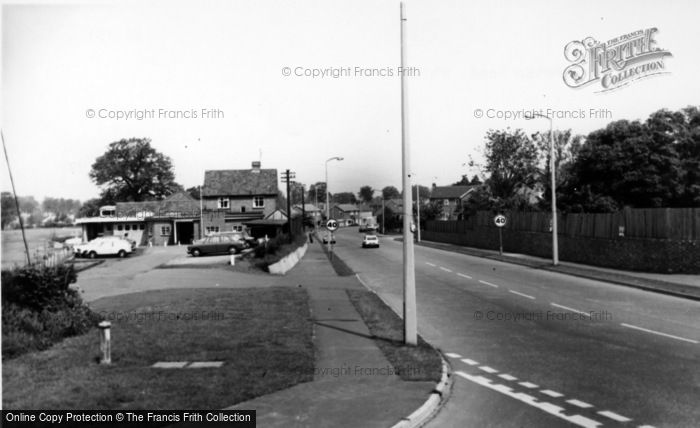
(256, 166)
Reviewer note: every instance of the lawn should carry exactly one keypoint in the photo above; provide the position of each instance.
(263, 336)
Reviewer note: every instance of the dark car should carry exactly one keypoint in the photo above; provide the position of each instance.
(218, 244)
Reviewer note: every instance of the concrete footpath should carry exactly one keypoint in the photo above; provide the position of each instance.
(686, 286)
(342, 392)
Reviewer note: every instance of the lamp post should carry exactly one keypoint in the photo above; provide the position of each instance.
(328, 207)
(552, 166)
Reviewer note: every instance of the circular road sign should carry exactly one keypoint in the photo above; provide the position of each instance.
(500, 220)
(331, 225)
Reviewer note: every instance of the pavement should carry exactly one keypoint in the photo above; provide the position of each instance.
(340, 394)
(686, 286)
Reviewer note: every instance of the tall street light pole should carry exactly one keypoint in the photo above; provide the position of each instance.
(552, 170)
(328, 206)
(409, 274)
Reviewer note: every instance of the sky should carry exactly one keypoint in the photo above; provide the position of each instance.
(239, 78)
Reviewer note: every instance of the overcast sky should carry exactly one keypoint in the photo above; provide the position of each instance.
(61, 61)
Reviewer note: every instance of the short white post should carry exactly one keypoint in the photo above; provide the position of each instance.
(105, 342)
(233, 260)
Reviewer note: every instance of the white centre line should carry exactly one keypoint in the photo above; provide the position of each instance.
(578, 403)
(468, 361)
(430, 264)
(571, 309)
(506, 376)
(528, 385)
(452, 355)
(614, 416)
(488, 369)
(659, 333)
(551, 393)
(445, 269)
(521, 294)
(488, 283)
(464, 276)
(550, 408)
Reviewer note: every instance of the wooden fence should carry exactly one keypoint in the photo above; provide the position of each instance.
(681, 224)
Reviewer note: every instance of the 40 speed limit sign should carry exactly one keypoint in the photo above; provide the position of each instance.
(331, 225)
(500, 220)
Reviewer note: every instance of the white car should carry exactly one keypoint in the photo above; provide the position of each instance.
(370, 241)
(103, 246)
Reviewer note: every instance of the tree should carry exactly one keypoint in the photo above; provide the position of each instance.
(194, 191)
(7, 208)
(344, 198)
(90, 208)
(317, 192)
(366, 194)
(423, 191)
(132, 170)
(475, 180)
(390, 192)
(566, 150)
(511, 159)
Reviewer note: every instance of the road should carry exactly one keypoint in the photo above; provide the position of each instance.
(536, 348)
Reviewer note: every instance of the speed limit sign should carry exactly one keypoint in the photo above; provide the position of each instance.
(331, 225)
(500, 220)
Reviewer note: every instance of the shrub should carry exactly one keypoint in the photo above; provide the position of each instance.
(39, 288)
(39, 309)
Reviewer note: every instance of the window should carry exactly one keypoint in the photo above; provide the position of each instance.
(446, 202)
(238, 228)
(243, 208)
(223, 203)
(142, 226)
(211, 229)
(165, 231)
(127, 227)
(258, 202)
(119, 227)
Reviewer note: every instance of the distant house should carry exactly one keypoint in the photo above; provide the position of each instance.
(311, 211)
(346, 214)
(452, 199)
(234, 197)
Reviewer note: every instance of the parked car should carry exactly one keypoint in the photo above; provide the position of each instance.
(104, 246)
(216, 244)
(370, 241)
(328, 237)
(243, 236)
(130, 241)
(368, 228)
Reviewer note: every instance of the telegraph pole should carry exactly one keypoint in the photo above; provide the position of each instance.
(409, 274)
(287, 176)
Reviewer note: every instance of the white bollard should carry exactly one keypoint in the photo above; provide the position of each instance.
(233, 260)
(105, 342)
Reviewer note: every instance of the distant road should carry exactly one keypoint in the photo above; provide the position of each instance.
(531, 347)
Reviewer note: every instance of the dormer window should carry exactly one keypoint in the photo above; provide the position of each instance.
(258, 202)
(223, 203)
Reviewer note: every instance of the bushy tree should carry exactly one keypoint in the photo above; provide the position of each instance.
(391, 192)
(511, 160)
(366, 194)
(132, 170)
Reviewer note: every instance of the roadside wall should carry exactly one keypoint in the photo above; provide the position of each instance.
(649, 255)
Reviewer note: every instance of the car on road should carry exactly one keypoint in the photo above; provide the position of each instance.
(217, 244)
(370, 241)
(372, 228)
(104, 246)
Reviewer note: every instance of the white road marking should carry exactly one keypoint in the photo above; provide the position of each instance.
(528, 385)
(521, 294)
(453, 355)
(659, 333)
(430, 264)
(578, 403)
(506, 376)
(488, 369)
(528, 399)
(445, 269)
(614, 416)
(551, 393)
(571, 309)
(464, 276)
(470, 362)
(488, 283)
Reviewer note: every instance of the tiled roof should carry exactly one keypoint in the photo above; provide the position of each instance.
(240, 182)
(347, 207)
(451, 192)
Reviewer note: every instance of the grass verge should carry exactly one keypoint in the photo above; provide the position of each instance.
(412, 363)
(338, 264)
(263, 335)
